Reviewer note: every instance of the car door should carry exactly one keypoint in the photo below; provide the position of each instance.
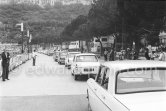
(96, 93)
(103, 94)
(106, 101)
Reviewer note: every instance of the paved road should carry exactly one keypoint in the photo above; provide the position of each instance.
(44, 87)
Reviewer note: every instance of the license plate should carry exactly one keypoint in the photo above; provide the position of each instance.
(88, 69)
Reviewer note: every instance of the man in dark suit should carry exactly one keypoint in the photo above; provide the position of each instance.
(5, 64)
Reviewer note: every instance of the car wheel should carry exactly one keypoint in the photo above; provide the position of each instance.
(72, 73)
(69, 67)
(75, 77)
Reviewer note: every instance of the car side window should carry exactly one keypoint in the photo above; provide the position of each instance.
(105, 78)
(100, 75)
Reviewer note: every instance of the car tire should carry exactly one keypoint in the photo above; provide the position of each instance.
(69, 67)
(75, 77)
(72, 73)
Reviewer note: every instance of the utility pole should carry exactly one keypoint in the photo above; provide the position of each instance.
(22, 33)
(28, 40)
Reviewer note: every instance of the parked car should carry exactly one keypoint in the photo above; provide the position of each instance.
(56, 55)
(69, 58)
(128, 86)
(85, 64)
(61, 57)
(50, 52)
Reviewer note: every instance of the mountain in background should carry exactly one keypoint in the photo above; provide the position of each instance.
(45, 23)
(68, 2)
(43, 3)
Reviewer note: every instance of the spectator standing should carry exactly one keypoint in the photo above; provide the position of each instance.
(5, 64)
(128, 53)
(105, 54)
(152, 55)
(110, 55)
(147, 54)
(162, 56)
(34, 57)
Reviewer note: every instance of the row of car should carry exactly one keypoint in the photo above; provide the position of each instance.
(79, 63)
(129, 85)
(47, 52)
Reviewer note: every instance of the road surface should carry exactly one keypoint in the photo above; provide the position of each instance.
(47, 86)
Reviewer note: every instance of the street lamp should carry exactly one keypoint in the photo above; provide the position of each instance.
(22, 33)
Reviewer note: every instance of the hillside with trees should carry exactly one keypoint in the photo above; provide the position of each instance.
(45, 24)
(129, 21)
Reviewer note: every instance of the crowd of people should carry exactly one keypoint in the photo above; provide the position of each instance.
(160, 54)
(130, 54)
(110, 55)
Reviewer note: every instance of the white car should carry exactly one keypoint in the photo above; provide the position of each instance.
(62, 57)
(69, 58)
(85, 64)
(128, 86)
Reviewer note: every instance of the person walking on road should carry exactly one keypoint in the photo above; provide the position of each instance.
(34, 57)
(5, 64)
(105, 54)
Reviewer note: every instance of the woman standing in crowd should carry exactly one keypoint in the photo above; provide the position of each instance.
(162, 56)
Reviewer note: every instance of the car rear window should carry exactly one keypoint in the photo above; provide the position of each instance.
(142, 80)
(86, 58)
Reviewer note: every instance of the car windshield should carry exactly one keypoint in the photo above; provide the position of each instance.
(86, 58)
(142, 80)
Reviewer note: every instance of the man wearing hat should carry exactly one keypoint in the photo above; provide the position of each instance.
(5, 64)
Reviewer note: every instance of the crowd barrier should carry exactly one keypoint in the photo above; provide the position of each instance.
(17, 61)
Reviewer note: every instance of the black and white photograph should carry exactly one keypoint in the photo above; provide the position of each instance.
(82, 55)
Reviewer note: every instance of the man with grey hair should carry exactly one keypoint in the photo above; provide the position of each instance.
(5, 64)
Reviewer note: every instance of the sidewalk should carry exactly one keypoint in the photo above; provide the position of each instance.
(46, 78)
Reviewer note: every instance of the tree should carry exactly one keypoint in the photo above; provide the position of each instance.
(102, 19)
(43, 22)
(68, 32)
(141, 18)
